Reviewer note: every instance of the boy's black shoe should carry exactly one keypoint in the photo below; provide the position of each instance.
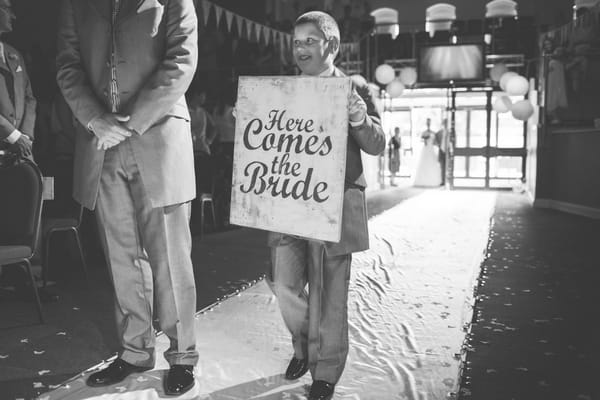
(296, 369)
(179, 380)
(115, 372)
(321, 390)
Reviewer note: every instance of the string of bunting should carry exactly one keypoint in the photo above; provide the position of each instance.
(251, 30)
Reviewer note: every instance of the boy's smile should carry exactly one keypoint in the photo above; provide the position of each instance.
(312, 52)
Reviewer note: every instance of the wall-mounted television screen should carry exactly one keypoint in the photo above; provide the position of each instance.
(441, 63)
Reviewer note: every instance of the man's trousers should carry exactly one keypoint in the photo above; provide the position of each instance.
(148, 251)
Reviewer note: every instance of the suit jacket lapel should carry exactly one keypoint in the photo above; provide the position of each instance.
(128, 7)
(17, 71)
(102, 7)
(337, 73)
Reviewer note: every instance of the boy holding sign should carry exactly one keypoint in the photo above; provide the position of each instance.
(318, 319)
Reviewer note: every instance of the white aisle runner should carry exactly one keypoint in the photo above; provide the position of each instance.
(409, 299)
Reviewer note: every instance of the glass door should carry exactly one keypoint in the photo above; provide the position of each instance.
(489, 148)
(470, 161)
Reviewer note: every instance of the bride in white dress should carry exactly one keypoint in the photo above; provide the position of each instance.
(428, 172)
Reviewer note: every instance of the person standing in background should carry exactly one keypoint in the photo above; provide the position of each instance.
(394, 155)
(123, 67)
(17, 104)
(225, 132)
(441, 140)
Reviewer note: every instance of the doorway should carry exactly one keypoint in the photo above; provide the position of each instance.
(489, 148)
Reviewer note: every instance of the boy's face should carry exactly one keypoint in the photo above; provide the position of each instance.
(312, 50)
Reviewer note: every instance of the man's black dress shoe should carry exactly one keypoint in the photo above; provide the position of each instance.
(321, 390)
(115, 372)
(180, 379)
(296, 369)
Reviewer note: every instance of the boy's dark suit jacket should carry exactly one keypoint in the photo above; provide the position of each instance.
(157, 55)
(368, 137)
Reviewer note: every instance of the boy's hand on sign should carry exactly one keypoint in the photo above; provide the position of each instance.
(234, 111)
(357, 108)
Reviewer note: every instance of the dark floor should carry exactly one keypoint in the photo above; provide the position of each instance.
(533, 334)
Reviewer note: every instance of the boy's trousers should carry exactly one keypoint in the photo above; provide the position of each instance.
(317, 319)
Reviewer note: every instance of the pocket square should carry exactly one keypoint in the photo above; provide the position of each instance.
(148, 5)
(19, 69)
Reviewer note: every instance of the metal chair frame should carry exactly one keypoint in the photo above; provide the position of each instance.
(27, 260)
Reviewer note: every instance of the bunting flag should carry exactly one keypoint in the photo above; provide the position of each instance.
(282, 51)
(266, 34)
(219, 13)
(257, 32)
(205, 10)
(239, 22)
(229, 19)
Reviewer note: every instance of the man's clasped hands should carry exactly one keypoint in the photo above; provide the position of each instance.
(110, 129)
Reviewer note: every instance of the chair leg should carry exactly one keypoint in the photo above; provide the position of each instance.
(201, 218)
(81, 255)
(46, 258)
(214, 218)
(35, 291)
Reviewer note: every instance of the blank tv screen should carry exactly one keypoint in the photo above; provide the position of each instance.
(456, 62)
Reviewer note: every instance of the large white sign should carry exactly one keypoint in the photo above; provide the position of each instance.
(290, 155)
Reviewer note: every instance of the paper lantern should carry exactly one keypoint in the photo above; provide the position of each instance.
(522, 110)
(517, 85)
(395, 88)
(501, 9)
(439, 17)
(386, 22)
(358, 80)
(497, 71)
(408, 76)
(384, 74)
(502, 104)
(505, 77)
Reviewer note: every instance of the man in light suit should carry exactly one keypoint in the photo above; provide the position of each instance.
(123, 66)
(318, 320)
(17, 104)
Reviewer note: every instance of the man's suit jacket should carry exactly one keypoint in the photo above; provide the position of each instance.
(156, 57)
(20, 113)
(368, 137)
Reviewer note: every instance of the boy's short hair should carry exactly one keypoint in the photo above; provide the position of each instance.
(323, 21)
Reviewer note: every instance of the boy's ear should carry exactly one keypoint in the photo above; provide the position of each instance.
(334, 45)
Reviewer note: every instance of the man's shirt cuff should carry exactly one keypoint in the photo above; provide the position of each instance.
(13, 137)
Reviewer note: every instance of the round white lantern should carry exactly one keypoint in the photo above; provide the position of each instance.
(517, 85)
(497, 71)
(408, 76)
(505, 77)
(395, 88)
(358, 80)
(384, 74)
(502, 104)
(522, 110)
